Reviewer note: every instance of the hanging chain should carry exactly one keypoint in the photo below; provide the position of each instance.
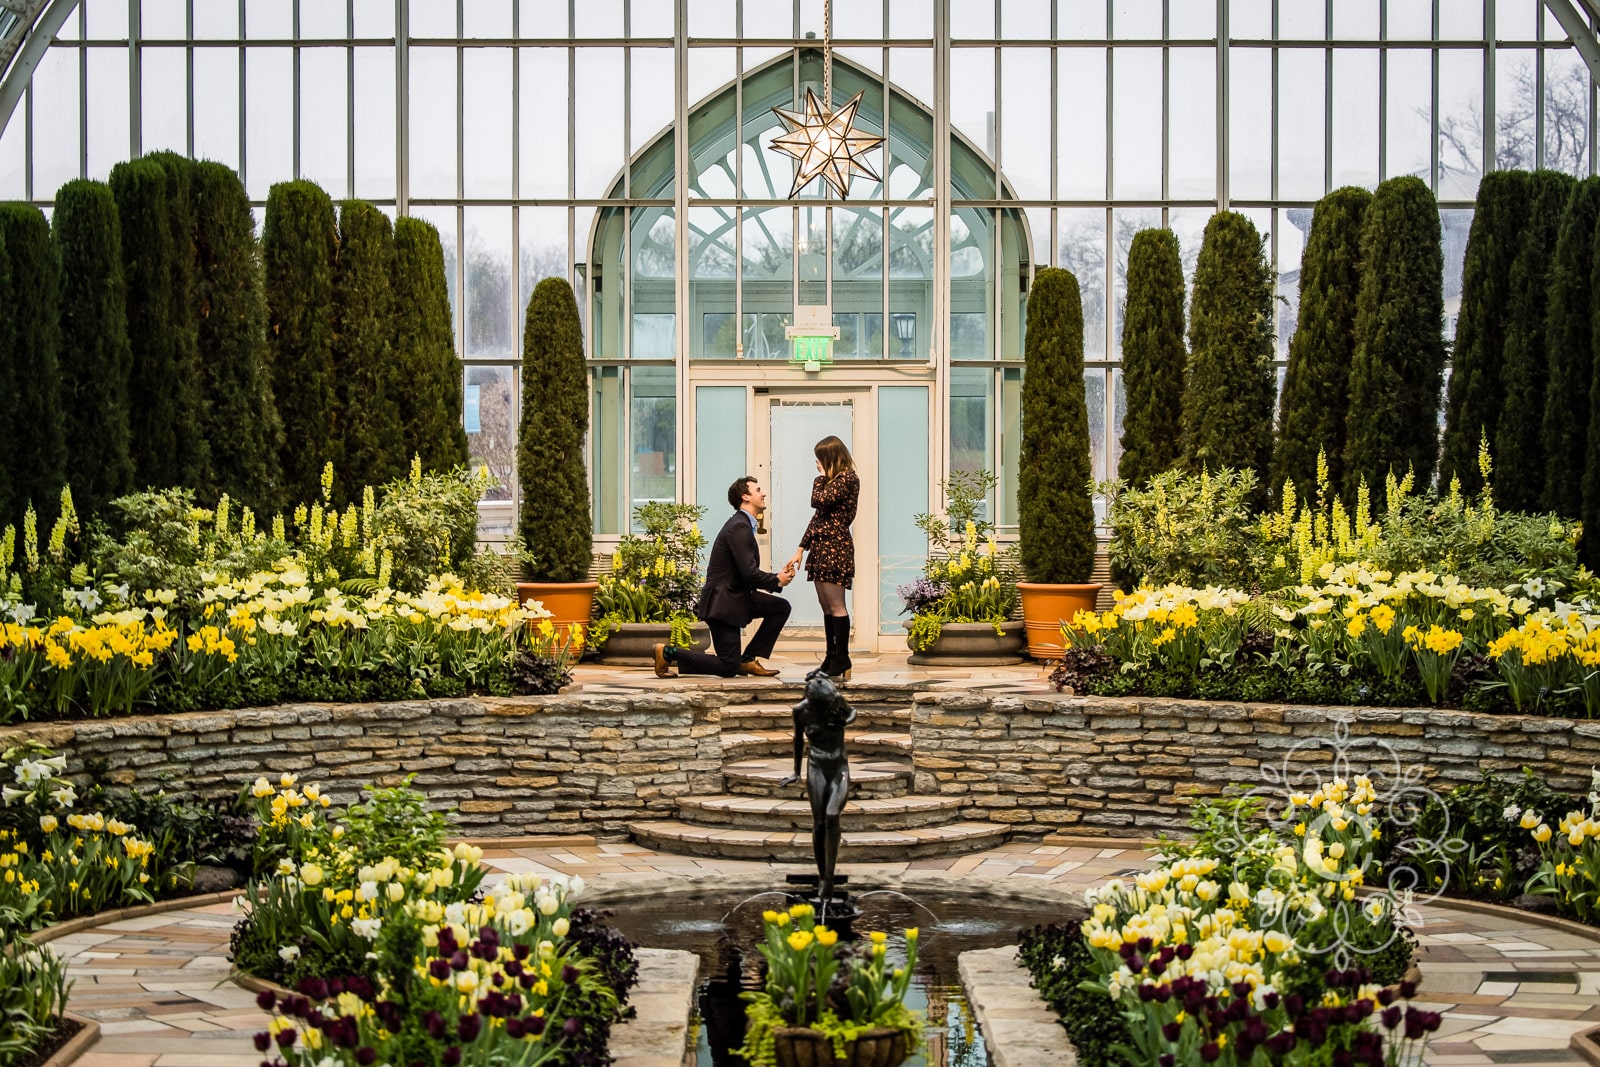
(827, 56)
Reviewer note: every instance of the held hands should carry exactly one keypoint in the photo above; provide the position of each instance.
(786, 575)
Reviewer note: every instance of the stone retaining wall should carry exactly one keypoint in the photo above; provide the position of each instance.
(514, 766)
(1103, 766)
(577, 764)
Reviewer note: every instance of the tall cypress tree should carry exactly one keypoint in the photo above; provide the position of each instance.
(555, 522)
(299, 242)
(1518, 442)
(1153, 357)
(1476, 395)
(1569, 338)
(1399, 361)
(140, 187)
(425, 354)
(240, 419)
(95, 357)
(1055, 516)
(37, 458)
(13, 420)
(1316, 387)
(366, 416)
(1227, 404)
(194, 450)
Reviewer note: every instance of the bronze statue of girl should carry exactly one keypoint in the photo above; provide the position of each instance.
(819, 721)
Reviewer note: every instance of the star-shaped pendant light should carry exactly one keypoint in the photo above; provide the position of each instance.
(825, 144)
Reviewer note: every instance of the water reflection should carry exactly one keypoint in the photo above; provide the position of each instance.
(950, 924)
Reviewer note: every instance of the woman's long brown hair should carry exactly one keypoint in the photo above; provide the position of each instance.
(834, 457)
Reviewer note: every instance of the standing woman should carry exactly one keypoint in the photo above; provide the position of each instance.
(832, 565)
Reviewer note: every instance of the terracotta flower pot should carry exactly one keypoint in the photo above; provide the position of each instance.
(567, 602)
(1046, 608)
(796, 1047)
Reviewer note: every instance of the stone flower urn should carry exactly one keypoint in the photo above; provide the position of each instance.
(796, 1047)
(973, 644)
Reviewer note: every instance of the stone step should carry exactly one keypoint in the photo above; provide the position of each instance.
(866, 846)
(745, 718)
(772, 815)
(867, 744)
(868, 777)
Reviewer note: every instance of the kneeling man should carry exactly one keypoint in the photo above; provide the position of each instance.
(736, 591)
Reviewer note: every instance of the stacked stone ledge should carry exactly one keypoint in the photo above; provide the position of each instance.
(1036, 765)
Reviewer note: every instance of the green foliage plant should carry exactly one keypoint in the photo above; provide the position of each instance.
(555, 524)
(1500, 220)
(1229, 397)
(1518, 442)
(1569, 337)
(1194, 529)
(95, 357)
(425, 359)
(1316, 386)
(182, 316)
(155, 417)
(1569, 854)
(239, 416)
(814, 983)
(299, 247)
(655, 576)
(35, 454)
(1055, 513)
(968, 577)
(1153, 357)
(366, 411)
(1399, 356)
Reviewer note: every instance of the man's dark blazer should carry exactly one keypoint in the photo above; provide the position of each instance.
(733, 574)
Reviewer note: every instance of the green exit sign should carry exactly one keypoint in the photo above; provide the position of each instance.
(812, 350)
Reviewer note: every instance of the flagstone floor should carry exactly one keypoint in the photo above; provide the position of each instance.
(793, 662)
(1513, 992)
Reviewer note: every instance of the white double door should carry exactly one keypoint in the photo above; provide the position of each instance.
(788, 427)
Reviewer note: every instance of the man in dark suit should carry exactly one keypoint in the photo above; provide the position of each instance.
(736, 591)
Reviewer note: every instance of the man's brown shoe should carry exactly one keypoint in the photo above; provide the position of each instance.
(754, 667)
(663, 668)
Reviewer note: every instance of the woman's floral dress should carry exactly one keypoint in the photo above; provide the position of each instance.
(827, 536)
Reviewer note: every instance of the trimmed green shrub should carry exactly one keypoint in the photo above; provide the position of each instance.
(299, 244)
(1476, 396)
(1316, 386)
(1518, 443)
(12, 418)
(1569, 340)
(1399, 362)
(1227, 404)
(424, 350)
(555, 525)
(194, 450)
(366, 418)
(1153, 357)
(1055, 511)
(36, 455)
(95, 358)
(140, 186)
(240, 419)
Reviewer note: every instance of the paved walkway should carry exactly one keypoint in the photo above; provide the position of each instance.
(793, 663)
(1513, 992)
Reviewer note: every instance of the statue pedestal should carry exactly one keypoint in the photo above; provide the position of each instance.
(837, 914)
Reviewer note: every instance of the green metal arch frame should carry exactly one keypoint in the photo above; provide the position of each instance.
(27, 29)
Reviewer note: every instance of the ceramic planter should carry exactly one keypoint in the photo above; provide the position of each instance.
(1046, 608)
(631, 644)
(807, 1048)
(973, 644)
(567, 602)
